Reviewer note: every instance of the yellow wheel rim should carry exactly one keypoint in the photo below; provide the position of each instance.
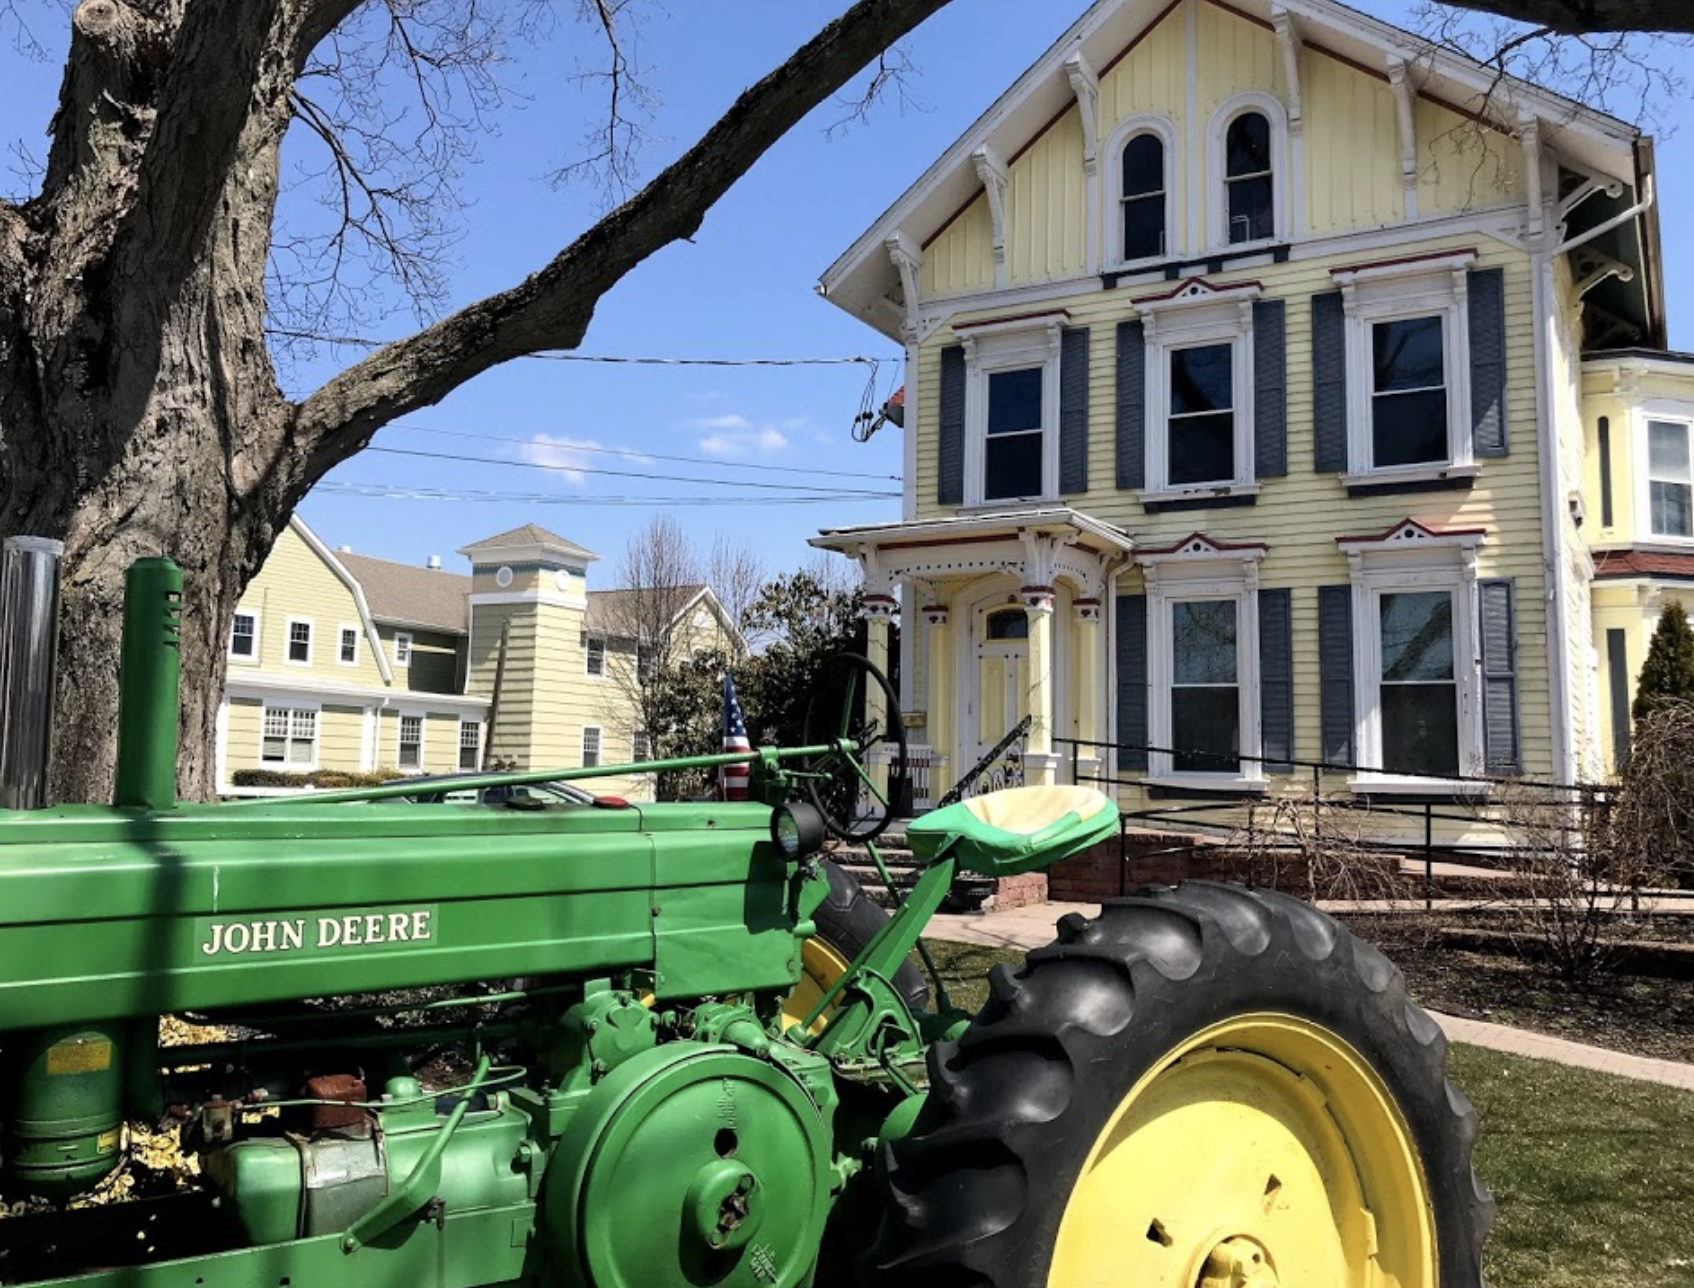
(1264, 1152)
(820, 966)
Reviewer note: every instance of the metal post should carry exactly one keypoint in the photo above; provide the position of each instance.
(29, 644)
(1428, 856)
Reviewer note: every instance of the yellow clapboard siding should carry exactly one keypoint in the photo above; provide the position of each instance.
(295, 582)
(1505, 500)
(1151, 77)
(961, 259)
(1047, 207)
(1463, 166)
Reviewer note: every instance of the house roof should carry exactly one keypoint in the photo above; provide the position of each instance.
(531, 534)
(864, 281)
(406, 595)
(1643, 563)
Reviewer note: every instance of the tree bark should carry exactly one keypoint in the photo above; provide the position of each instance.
(139, 409)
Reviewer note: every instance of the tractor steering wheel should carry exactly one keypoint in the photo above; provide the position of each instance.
(839, 782)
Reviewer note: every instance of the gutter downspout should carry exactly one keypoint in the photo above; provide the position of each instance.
(1553, 552)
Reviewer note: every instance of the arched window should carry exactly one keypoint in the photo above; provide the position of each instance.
(1249, 179)
(1008, 624)
(1144, 198)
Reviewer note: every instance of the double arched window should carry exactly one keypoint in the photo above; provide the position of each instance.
(1142, 151)
(1144, 233)
(1249, 179)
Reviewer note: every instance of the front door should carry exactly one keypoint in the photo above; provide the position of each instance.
(1002, 676)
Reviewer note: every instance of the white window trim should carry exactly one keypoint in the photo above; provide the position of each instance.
(1197, 315)
(1199, 570)
(400, 718)
(463, 725)
(288, 640)
(599, 746)
(245, 659)
(1670, 413)
(1282, 171)
(1011, 346)
(1410, 562)
(402, 648)
(342, 629)
(1393, 292)
(286, 765)
(637, 740)
(1165, 132)
(588, 653)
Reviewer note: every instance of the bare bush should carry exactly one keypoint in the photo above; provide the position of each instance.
(1321, 847)
(1651, 823)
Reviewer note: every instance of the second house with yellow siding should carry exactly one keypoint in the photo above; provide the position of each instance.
(341, 662)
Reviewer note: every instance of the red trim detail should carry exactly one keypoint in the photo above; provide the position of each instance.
(1183, 285)
(1404, 259)
(1245, 17)
(1202, 537)
(1421, 527)
(1085, 603)
(881, 599)
(1035, 590)
(1140, 36)
(1010, 317)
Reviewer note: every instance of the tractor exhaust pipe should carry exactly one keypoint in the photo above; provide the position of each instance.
(29, 646)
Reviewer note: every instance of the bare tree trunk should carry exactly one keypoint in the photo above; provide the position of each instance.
(139, 410)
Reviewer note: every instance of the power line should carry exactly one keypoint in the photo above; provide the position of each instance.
(366, 342)
(637, 453)
(398, 492)
(627, 474)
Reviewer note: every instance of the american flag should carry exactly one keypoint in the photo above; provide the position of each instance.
(732, 779)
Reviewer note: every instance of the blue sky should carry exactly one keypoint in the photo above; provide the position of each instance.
(743, 289)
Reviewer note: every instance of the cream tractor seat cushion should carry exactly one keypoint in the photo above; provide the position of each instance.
(1016, 830)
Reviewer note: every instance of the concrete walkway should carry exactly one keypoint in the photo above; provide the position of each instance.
(1032, 927)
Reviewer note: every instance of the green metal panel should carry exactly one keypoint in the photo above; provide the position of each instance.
(106, 914)
(150, 681)
(487, 1249)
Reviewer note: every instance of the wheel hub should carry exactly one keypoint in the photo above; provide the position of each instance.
(1238, 1263)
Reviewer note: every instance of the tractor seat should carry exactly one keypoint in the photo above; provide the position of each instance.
(1015, 830)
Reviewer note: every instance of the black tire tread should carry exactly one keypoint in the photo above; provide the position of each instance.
(848, 920)
(977, 1188)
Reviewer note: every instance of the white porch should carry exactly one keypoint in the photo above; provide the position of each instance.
(1001, 618)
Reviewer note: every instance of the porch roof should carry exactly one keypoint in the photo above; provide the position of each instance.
(970, 528)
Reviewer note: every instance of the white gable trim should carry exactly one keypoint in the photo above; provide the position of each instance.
(317, 547)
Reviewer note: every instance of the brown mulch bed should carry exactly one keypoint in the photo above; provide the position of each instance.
(1637, 1014)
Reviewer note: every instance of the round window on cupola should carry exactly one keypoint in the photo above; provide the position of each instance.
(562, 579)
(503, 577)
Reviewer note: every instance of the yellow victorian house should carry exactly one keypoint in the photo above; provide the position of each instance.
(1280, 391)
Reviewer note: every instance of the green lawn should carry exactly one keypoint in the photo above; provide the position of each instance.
(1594, 1175)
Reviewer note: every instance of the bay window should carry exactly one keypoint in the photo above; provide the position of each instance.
(1670, 479)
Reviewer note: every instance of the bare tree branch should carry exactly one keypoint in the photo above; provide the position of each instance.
(553, 307)
(615, 146)
(1576, 17)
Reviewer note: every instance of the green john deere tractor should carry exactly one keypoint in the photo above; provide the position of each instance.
(638, 1046)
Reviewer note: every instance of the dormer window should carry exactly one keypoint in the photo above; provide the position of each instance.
(1250, 180)
(1144, 198)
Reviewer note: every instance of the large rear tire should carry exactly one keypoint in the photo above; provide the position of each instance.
(1202, 1086)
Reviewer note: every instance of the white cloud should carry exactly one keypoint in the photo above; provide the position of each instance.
(736, 437)
(564, 456)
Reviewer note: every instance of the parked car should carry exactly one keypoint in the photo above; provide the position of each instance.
(436, 789)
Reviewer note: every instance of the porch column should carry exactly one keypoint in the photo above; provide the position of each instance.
(1085, 684)
(938, 701)
(1040, 765)
(878, 610)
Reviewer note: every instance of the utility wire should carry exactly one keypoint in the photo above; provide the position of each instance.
(636, 453)
(365, 342)
(392, 491)
(627, 474)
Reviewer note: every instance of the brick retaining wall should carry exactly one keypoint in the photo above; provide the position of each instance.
(1162, 858)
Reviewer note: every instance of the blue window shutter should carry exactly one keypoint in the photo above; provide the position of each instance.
(950, 464)
(1073, 410)
(1329, 382)
(1132, 683)
(1132, 405)
(1270, 389)
(1502, 753)
(1487, 292)
(1335, 672)
(1276, 679)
